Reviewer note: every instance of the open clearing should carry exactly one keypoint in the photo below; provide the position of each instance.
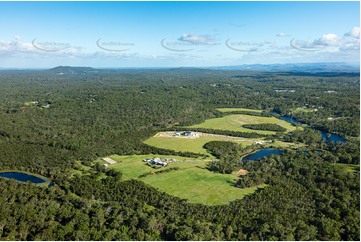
(166, 140)
(348, 167)
(225, 110)
(192, 181)
(199, 186)
(282, 144)
(234, 122)
(132, 166)
(303, 110)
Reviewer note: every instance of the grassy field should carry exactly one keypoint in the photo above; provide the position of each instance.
(191, 145)
(132, 166)
(234, 122)
(225, 110)
(198, 185)
(79, 168)
(281, 144)
(192, 181)
(348, 167)
(303, 110)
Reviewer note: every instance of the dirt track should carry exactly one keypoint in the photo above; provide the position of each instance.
(198, 134)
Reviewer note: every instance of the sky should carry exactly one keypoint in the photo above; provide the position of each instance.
(177, 34)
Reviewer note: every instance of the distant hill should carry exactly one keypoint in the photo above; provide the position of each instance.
(72, 70)
(294, 67)
(298, 67)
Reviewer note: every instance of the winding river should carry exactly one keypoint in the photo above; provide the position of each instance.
(327, 137)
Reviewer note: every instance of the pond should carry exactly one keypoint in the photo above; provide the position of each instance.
(22, 177)
(332, 137)
(262, 153)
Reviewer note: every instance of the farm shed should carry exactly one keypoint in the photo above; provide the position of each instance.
(242, 172)
(109, 160)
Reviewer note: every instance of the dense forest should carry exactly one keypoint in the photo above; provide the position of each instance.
(49, 122)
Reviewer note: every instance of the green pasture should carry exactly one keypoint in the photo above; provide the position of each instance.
(302, 110)
(198, 185)
(132, 166)
(185, 144)
(351, 168)
(282, 144)
(234, 122)
(192, 181)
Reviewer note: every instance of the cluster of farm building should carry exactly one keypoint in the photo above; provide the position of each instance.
(185, 133)
(159, 161)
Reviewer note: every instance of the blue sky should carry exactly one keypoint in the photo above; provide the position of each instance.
(173, 34)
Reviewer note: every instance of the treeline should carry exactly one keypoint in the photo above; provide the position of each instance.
(290, 207)
(218, 131)
(159, 172)
(265, 126)
(228, 155)
(90, 116)
(260, 114)
(224, 148)
(334, 152)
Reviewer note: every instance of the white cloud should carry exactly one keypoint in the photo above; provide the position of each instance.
(328, 43)
(355, 33)
(18, 47)
(281, 34)
(330, 46)
(15, 45)
(328, 39)
(197, 39)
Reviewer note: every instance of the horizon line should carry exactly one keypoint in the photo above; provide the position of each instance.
(172, 67)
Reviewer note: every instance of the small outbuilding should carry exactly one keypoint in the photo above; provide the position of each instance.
(157, 161)
(242, 172)
(109, 160)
